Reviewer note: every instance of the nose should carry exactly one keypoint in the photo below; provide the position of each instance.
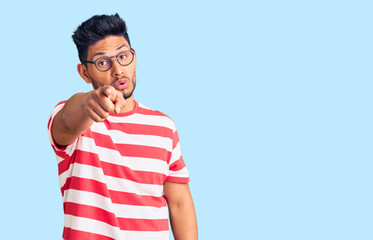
(116, 69)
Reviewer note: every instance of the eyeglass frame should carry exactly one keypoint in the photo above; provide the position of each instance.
(111, 60)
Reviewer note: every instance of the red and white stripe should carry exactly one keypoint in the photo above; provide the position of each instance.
(112, 176)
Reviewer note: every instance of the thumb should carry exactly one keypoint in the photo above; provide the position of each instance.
(119, 102)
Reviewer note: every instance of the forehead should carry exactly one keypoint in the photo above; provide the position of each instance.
(108, 45)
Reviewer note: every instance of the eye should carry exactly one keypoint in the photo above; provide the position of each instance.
(122, 56)
(102, 62)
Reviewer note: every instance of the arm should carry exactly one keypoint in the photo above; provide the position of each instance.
(182, 214)
(81, 110)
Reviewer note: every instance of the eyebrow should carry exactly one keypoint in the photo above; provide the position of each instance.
(103, 53)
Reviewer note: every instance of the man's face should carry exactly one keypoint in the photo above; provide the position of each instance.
(122, 78)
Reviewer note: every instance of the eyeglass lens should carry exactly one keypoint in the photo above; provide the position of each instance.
(105, 63)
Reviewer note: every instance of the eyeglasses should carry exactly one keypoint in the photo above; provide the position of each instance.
(103, 64)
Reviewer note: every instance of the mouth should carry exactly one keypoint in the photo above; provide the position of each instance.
(121, 84)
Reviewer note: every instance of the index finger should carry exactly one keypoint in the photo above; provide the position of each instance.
(119, 102)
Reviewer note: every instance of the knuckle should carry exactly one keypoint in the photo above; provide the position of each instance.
(107, 90)
(96, 92)
(88, 108)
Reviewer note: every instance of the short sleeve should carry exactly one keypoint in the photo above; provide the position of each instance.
(68, 149)
(177, 170)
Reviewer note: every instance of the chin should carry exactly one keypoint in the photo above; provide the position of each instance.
(127, 95)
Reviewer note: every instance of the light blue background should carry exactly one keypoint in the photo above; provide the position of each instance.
(272, 101)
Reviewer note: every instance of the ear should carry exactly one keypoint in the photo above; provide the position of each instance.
(83, 72)
(134, 58)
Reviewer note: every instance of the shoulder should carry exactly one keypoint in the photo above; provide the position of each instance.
(145, 110)
(55, 110)
(155, 115)
(60, 105)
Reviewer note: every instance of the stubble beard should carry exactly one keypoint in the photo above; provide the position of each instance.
(125, 95)
(133, 81)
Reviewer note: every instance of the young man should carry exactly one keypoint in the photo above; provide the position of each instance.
(120, 165)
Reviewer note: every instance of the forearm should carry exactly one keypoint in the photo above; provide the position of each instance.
(74, 116)
(183, 221)
(71, 121)
(82, 109)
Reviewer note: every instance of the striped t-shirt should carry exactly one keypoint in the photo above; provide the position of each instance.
(112, 176)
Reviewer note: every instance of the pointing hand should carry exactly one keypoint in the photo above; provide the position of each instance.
(102, 101)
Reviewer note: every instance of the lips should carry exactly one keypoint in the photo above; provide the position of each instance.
(121, 84)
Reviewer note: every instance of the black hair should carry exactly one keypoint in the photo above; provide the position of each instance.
(97, 28)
